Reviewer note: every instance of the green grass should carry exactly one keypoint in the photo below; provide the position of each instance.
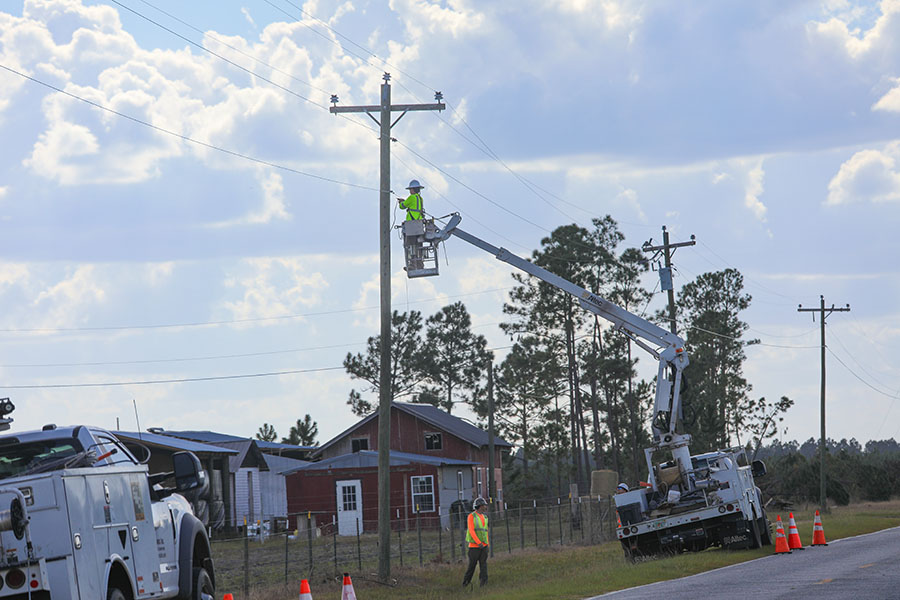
(574, 572)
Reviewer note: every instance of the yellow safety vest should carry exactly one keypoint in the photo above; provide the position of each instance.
(413, 206)
(477, 530)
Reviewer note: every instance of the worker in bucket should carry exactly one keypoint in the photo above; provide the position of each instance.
(413, 204)
(621, 488)
(477, 538)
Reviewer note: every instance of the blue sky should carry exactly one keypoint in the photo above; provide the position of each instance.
(770, 130)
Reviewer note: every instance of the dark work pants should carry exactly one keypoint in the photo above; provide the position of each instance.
(477, 556)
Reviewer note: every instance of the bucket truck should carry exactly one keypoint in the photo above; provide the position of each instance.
(688, 503)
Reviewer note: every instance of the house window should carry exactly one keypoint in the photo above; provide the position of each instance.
(422, 493)
(433, 441)
(348, 497)
(358, 444)
(459, 484)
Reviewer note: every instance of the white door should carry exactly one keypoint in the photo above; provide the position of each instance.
(349, 507)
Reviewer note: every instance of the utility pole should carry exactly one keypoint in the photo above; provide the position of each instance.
(822, 314)
(665, 273)
(384, 386)
(492, 485)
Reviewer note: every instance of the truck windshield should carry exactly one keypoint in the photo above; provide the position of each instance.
(34, 457)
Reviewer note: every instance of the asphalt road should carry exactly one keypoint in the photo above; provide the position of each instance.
(865, 567)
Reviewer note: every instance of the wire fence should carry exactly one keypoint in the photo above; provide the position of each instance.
(261, 556)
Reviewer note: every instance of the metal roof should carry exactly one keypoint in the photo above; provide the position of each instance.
(172, 443)
(444, 421)
(365, 459)
(214, 437)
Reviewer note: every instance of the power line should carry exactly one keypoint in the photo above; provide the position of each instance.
(187, 138)
(234, 321)
(158, 381)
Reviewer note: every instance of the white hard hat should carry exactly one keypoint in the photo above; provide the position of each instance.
(415, 184)
(622, 486)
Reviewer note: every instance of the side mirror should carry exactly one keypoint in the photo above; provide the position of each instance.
(188, 472)
(758, 468)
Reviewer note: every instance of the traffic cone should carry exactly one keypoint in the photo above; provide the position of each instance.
(347, 593)
(228, 597)
(818, 532)
(781, 543)
(794, 535)
(305, 594)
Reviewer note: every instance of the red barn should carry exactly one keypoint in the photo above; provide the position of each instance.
(344, 490)
(427, 443)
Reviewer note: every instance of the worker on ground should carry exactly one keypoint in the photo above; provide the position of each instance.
(477, 537)
(621, 488)
(413, 204)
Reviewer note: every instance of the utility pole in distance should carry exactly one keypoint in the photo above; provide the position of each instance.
(822, 314)
(665, 273)
(384, 386)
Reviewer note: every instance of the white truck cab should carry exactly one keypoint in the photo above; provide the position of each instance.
(86, 521)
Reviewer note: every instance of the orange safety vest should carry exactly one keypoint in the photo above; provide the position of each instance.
(477, 530)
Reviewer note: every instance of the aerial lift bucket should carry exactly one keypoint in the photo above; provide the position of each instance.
(420, 254)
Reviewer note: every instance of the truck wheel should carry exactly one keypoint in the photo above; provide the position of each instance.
(765, 529)
(203, 585)
(756, 540)
(115, 593)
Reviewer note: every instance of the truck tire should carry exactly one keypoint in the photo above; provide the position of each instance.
(116, 594)
(765, 529)
(756, 540)
(203, 585)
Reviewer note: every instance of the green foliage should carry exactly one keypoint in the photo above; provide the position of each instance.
(266, 433)
(303, 433)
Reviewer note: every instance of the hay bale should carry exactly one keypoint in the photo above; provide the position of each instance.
(603, 483)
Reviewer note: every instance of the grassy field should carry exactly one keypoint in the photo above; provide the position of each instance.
(574, 572)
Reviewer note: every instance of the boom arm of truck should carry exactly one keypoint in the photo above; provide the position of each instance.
(666, 347)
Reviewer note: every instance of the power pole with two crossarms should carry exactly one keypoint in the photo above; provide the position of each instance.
(665, 273)
(384, 110)
(823, 312)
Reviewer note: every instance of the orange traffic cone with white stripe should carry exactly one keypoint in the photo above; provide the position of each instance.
(305, 594)
(818, 532)
(793, 535)
(347, 593)
(781, 543)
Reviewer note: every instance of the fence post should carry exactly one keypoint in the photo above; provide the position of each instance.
(419, 532)
(521, 528)
(286, 551)
(452, 538)
(400, 543)
(309, 570)
(559, 515)
(358, 548)
(506, 518)
(246, 588)
(536, 519)
(491, 527)
(334, 536)
(440, 540)
(548, 525)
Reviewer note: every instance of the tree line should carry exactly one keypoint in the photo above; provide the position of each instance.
(568, 394)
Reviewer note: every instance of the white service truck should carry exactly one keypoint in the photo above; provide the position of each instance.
(689, 502)
(86, 521)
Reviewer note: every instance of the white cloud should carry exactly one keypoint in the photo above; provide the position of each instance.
(755, 178)
(424, 19)
(246, 13)
(273, 206)
(66, 302)
(857, 43)
(890, 101)
(869, 175)
(273, 287)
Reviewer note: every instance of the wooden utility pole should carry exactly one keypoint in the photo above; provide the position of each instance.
(822, 314)
(492, 484)
(384, 110)
(665, 273)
